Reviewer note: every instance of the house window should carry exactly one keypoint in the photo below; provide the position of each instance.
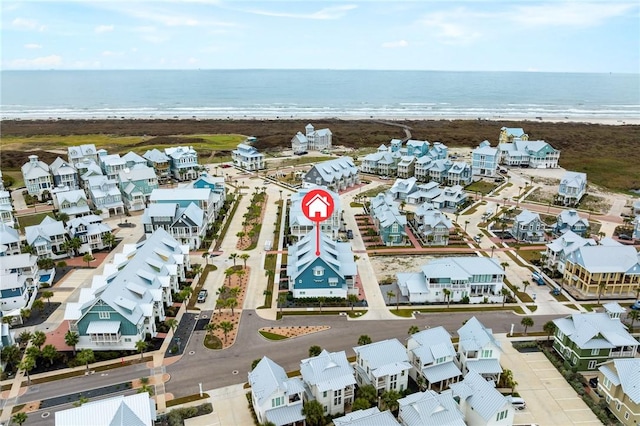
(606, 383)
(104, 315)
(276, 402)
(626, 415)
(592, 365)
(318, 271)
(502, 415)
(324, 394)
(618, 405)
(608, 398)
(325, 408)
(487, 353)
(595, 351)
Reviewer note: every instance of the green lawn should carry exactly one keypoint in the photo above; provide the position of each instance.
(34, 219)
(481, 186)
(272, 336)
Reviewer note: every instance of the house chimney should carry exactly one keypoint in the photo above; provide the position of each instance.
(33, 159)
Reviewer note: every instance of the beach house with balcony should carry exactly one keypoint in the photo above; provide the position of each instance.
(160, 163)
(136, 186)
(18, 281)
(390, 223)
(72, 203)
(510, 134)
(132, 160)
(478, 350)
(247, 157)
(111, 164)
(47, 239)
(185, 224)
(402, 188)
(558, 249)
(183, 162)
(450, 197)
(430, 408)
(206, 199)
(275, 397)
(123, 304)
(525, 153)
(383, 365)
(367, 417)
(383, 162)
(425, 193)
(586, 340)
(481, 402)
(6, 209)
(312, 140)
(64, 174)
(90, 230)
(105, 195)
(329, 379)
(432, 226)
(573, 186)
(330, 274)
(432, 358)
(300, 225)
(484, 160)
(9, 240)
(407, 167)
(417, 148)
(87, 169)
(528, 227)
(81, 153)
(464, 276)
(37, 177)
(422, 168)
(213, 183)
(613, 270)
(618, 382)
(570, 220)
(337, 175)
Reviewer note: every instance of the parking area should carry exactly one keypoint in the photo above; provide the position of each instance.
(550, 399)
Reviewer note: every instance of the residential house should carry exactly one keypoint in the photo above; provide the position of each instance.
(47, 239)
(337, 175)
(612, 270)
(528, 227)
(18, 281)
(123, 304)
(636, 228)
(618, 382)
(183, 162)
(87, 169)
(481, 402)
(185, 224)
(573, 186)
(484, 160)
(330, 380)
(206, 199)
(425, 193)
(422, 168)
(332, 273)
(9, 240)
(312, 140)
(111, 164)
(510, 134)
(432, 358)
(37, 177)
(275, 397)
(131, 160)
(586, 340)
(451, 197)
(470, 277)
(300, 225)
(430, 408)
(570, 220)
(214, 183)
(402, 188)
(247, 157)
(24, 264)
(635, 208)
(438, 151)
(7, 338)
(91, 231)
(72, 203)
(525, 153)
(368, 417)
(407, 167)
(383, 163)
(558, 249)
(416, 148)
(384, 365)
(64, 174)
(6, 209)
(160, 163)
(105, 195)
(136, 186)
(388, 220)
(431, 225)
(478, 350)
(458, 174)
(123, 410)
(78, 154)
(439, 170)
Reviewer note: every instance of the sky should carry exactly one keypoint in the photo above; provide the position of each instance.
(471, 35)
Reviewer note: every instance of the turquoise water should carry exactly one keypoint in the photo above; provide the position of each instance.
(317, 93)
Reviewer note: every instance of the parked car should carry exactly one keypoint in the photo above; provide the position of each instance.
(625, 237)
(593, 382)
(537, 278)
(636, 306)
(350, 234)
(202, 296)
(517, 402)
(556, 292)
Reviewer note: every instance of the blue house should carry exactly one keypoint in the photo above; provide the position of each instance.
(136, 186)
(484, 160)
(389, 221)
(331, 274)
(569, 220)
(183, 162)
(417, 148)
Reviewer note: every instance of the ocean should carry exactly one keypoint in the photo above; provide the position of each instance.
(318, 94)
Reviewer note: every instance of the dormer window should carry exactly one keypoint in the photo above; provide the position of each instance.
(318, 271)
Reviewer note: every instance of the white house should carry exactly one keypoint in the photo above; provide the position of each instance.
(132, 159)
(426, 192)
(74, 203)
(402, 188)
(573, 186)
(111, 164)
(90, 230)
(370, 416)
(451, 197)
(464, 276)
(130, 410)
(484, 160)
(6, 209)
(526, 153)
(64, 174)
(432, 358)
(300, 225)
(183, 162)
(528, 227)
(384, 365)
(558, 249)
(18, 281)
(247, 157)
(206, 199)
(312, 140)
(275, 397)
(432, 225)
(185, 224)
(77, 154)
(9, 240)
(87, 169)
(481, 402)
(478, 350)
(47, 239)
(330, 380)
(37, 177)
(430, 409)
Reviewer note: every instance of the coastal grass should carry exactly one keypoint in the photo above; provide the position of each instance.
(185, 399)
(33, 219)
(480, 186)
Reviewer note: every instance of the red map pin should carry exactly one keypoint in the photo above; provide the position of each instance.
(317, 206)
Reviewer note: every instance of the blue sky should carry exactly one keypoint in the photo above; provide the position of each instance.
(557, 36)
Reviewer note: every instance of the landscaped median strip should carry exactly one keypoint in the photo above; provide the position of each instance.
(408, 313)
(281, 333)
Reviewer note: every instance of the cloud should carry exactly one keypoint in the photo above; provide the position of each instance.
(395, 44)
(111, 53)
(40, 62)
(32, 46)
(568, 14)
(334, 12)
(103, 29)
(151, 34)
(454, 26)
(27, 24)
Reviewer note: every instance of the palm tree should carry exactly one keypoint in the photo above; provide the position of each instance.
(27, 364)
(38, 338)
(88, 258)
(282, 299)
(226, 327)
(390, 399)
(24, 338)
(141, 346)
(525, 284)
(232, 303)
(526, 323)
(108, 239)
(634, 315)
(172, 323)
(63, 217)
(314, 413)
(245, 257)
(74, 244)
(47, 294)
(505, 292)
(447, 296)
(210, 328)
(146, 388)
(390, 294)
(413, 330)
(321, 301)
(364, 340)
(228, 273)
(19, 418)
(71, 338)
(39, 305)
(353, 299)
(49, 352)
(601, 287)
(233, 256)
(11, 355)
(314, 350)
(549, 327)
